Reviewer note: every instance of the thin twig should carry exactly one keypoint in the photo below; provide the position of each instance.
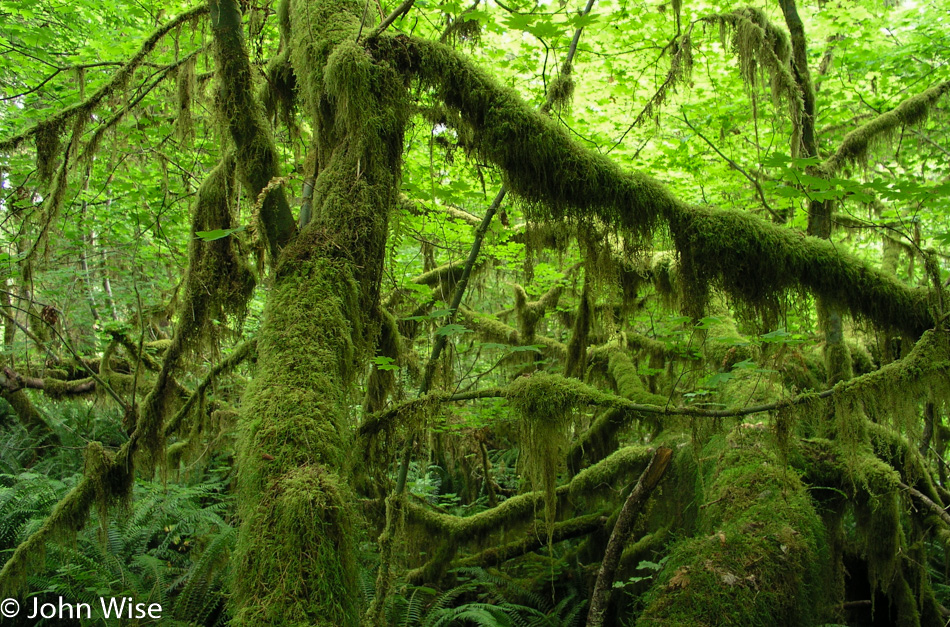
(738, 168)
(392, 17)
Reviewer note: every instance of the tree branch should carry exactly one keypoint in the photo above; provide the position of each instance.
(621, 533)
(118, 81)
(747, 257)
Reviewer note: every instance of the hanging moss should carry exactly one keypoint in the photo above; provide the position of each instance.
(47, 139)
(577, 348)
(118, 82)
(598, 440)
(751, 259)
(107, 478)
(756, 262)
(186, 94)
(496, 331)
(280, 95)
(914, 110)
(892, 395)
(561, 91)
(872, 488)
(381, 382)
(219, 281)
(803, 370)
(763, 48)
(322, 319)
(546, 413)
(461, 31)
(530, 313)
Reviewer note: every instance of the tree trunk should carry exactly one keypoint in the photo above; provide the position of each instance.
(295, 551)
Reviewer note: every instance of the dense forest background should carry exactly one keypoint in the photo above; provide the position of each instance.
(338, 312)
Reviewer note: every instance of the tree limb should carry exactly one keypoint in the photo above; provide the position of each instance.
(747, 257)
(622, 529)
(118, 81)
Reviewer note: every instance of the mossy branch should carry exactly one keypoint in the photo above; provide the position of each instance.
(107, 478)
(751, 259)
(912, 111)
(922, 498)
(255, 150)
(118, 81)
(535, 538)
(32, 336)
(238, 355)
(517, 509)
(799, 62)
(621, 533)
(54, 388)
(497, 331)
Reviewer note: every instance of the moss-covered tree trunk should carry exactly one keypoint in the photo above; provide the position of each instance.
(295, 549)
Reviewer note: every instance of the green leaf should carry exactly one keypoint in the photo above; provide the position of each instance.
(535, 348)
(453, 329)
(385, 363)
(210, 236)
(708, 321)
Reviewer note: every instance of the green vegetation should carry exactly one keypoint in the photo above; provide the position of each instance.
(325, 312)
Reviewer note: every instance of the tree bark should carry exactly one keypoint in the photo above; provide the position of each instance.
(621, 533)
(296, 544)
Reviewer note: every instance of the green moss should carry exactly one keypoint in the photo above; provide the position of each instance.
(758, 555)
(752, 260)
(242, 115)
(721, 342)
(30, 417)
(184, 124)
(762, 47)
(871, 487)
(756, 262)
(560, 91)
(803, 370)
(576, 362)
(219, 280)
(47, 137)
(107, 478)
(545, 406)
(621, 368)
(308, 514)
(382, 382)
(598, 479)
(599, 440)
(293, 438)
(892, 394)
(494, 330)
(914, 110)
